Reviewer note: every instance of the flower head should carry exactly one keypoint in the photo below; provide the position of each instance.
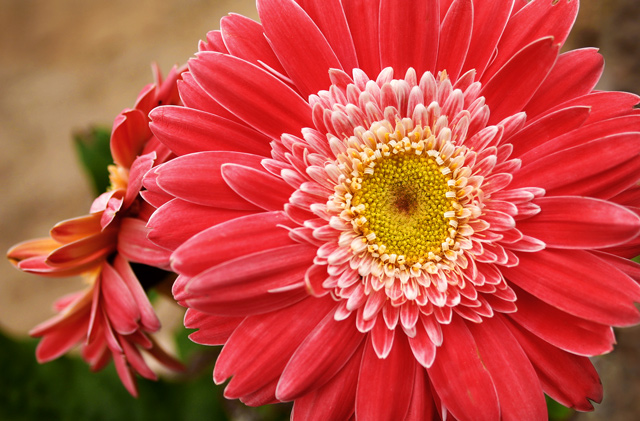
(112, 317)
(402, 209)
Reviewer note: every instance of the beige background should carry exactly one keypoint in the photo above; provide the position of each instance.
(66, 64)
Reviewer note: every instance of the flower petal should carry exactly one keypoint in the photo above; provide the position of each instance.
(459, 354)
(248, 92)
(186, 130)
(516, 382)
(285, 24)
(561, 329)
(400, 48)
(326, 350)
(580, 223)
(385, 385)
(579, 283)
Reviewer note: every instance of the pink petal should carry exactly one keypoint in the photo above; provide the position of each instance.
(604, 105)
(489, 21)
(334, 400)
(548, 128)
(519, 390)
(140, 166)
(203, 170)
(538, 19)
(119, 304)
(248, 279)
(257, 186)
(125, 373)
(561, 329)
(191, 218)
(130, 131)
(229, 240)
(595, 291)
(330, 18)
(459, 354)
(249, 350)
(187, 130)
(520, 76)
(90, 248)
(148, 317)
(566, 378)
(385, 385)
(285, 24)
(193, 96)
(401, 46)
(567, 172)
(422, 346)
(249, 92)
(574, 74)
(134, 245)
(595, 224)
(212, 330)
(365, 36)
(577, 137)
(455, 35)
(245, 39)
(326, 350)
(422, 406)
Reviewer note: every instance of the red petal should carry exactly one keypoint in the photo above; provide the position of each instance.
(566, 172)
(520, 76)
(264, 344)
(579, 283)
(231, 239)
(245, 39)
(401, 46)
(422, 407)
(575, 74)
(119, 304)
(248, 92)
(548, 128)
(135, 246)
(186, 130)
(455, 35)
(291, 32)
(326, 350)
(519, 390)
(385, 385)
(568, 379)
(489, 20)
(191, 218)
(257, 186)
(580, 223)
(538, 19)
(197, 178)
(459, 356)
(330, 18)
(561, 329)
(365, 36)
(334, 400)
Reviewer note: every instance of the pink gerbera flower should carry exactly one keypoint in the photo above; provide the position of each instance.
(113, 316)
(402, 209)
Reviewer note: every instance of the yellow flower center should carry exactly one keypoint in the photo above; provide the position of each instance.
(405, 203)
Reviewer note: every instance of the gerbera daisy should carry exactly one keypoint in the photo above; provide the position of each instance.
(401, 209)
(112, 317)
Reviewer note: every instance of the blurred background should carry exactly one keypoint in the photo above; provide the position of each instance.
(70, 64)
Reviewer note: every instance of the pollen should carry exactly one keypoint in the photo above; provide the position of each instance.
(404, 202)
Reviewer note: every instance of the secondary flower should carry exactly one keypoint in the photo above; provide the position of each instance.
(112, 317)
(402, 209)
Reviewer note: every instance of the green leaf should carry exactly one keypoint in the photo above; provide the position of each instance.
(92, 147)
(65, 389)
